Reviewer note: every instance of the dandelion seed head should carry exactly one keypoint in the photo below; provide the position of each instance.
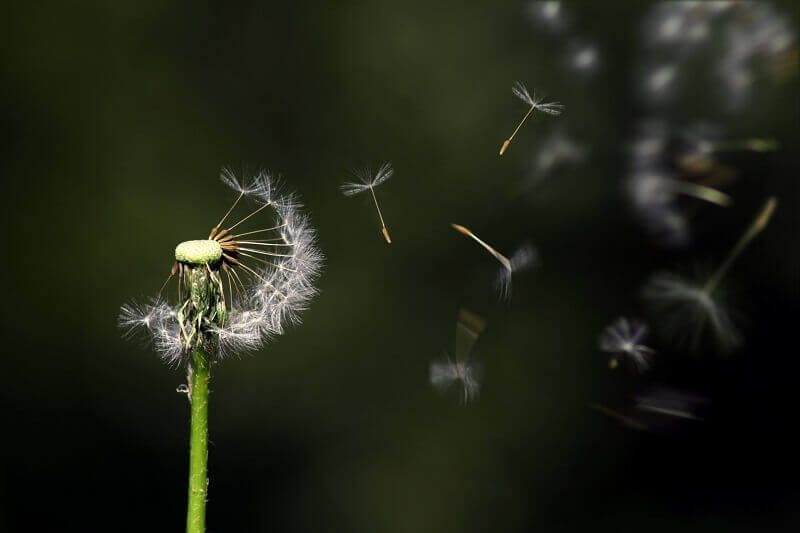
(271, 274)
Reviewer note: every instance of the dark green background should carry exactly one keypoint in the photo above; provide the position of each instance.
(116, 118)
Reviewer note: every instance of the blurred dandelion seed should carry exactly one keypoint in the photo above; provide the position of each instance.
(464, 372)
(624, 338)
(669, 402)
(468, 328)
(758, 145)
(523, 258)
(558, 150)
(447, 373)
(656, 189)
(536, 104)
(619, 417)
(658, 408)
(369, 182)
(688, 307)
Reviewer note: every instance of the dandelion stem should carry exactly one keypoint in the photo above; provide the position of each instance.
(497, 255)
(214, 231)
(701, 192)
(380, 215)
(198, 454)
(753, 145)
(511, 138)
(752, 231)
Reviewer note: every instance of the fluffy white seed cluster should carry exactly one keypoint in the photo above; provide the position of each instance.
(270, 299)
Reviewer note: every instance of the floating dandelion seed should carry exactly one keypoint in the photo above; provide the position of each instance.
(524, 257)
(556, 151)
(669, 402)
(468, 328)
(659, 80)
(548, 14)
(463, 372)
(624, 338)
(689, 307)
(583, 58)
(369, 182)
(538, 104)
(653, 189)
(270, 274)
(447, 373)
(625, 420)
(659, 409)
(702, 144)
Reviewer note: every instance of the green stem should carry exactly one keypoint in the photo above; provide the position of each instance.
(198, 454)
(701, 192)
(752, 231)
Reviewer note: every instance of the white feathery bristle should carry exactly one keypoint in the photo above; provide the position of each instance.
(524, 258)
(520, 91)
(624, 337)
(157, 319)
(367, 180)
(687, 309)
(465, 375)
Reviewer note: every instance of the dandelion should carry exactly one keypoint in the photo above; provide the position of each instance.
(369, 182)
(538, 104)
(462, 373)
(624, 338)
(235, 290)
(523, 258)
(690, 307)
